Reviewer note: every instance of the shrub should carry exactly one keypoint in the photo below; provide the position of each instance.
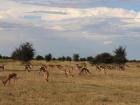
(25, 52)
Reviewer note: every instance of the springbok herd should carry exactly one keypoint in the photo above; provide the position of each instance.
(67, 70)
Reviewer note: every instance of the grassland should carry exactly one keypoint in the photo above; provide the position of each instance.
(115, 88)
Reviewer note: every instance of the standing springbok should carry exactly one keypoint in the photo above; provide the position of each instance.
(44, 70)
(10, 76)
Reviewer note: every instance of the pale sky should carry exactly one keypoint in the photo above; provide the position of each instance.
(64, 27)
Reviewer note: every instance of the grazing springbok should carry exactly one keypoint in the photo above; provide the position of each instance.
(98, 67)
(2, 67)
(83, 69)
(59, 66)
(51, 66)
(127, 65)
(109, 67)
(68, 70)
(101, 68)
(138, 66)
(45, 72)
(83, 65)
(78, 67)
(28, 67)
(121, 67)
(10, 76)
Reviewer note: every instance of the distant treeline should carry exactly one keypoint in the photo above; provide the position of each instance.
(119, 56)
(25, 52)
(4, 57)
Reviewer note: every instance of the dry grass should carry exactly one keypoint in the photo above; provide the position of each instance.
(116, 88)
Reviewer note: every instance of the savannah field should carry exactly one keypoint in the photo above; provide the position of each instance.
(115, 88)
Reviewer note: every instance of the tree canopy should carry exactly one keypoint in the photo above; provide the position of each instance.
(25, 52)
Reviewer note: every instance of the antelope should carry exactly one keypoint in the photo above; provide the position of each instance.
(138, 65)
(101, 67)
(59, 66)
(127, 65)
(68, 71)
(78, 67)
(10, 76)
(43, 69)
(98, 68)
(83, 64)
(28, 67)
(2, 67)
(121, 67)
(83, 69)
(51, 66)
(109, 67)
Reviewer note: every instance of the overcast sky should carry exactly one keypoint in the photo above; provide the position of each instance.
(64, 27)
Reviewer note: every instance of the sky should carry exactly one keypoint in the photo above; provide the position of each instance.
(65, 27)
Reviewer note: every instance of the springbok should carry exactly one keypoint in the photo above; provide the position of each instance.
(138, 66)
(109, 67)
(59, 66)
(51, 66)
(78, 67)
(68, 71)
(2, 67)
(43, 69)
(83, 69)
(98, 68)
(28, 67)
(83, 65)
(121, 67)
(101, 67)
(10, 76)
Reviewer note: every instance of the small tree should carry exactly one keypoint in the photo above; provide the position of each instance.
(0, 56)
(39, 57)
(68, 58)
(120, 55)
(25, 52)
(53, 58)
(48, 57)
(59, 58)
(63, 58)
(76, 57)
(90, 59)
(6, 57)
(82, 59)
(104, 58)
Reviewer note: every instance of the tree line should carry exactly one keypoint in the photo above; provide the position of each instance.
(26, 52)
